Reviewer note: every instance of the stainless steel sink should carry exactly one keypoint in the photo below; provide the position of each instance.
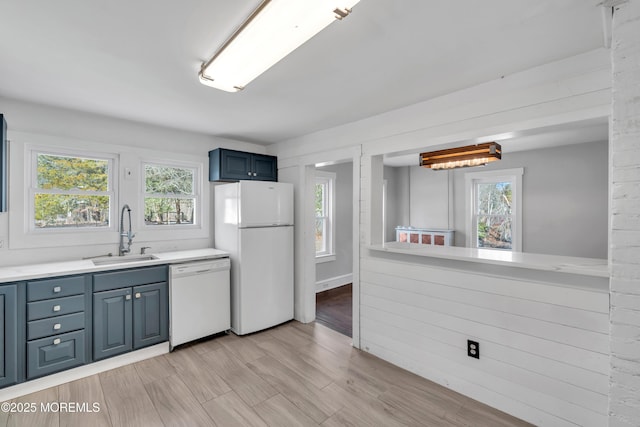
(122, 259)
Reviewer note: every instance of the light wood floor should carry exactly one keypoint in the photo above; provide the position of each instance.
(293, 375)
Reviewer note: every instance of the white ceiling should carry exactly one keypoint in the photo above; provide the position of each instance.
(138, 59)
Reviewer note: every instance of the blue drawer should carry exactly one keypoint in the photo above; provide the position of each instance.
(54, 307)
(54, 325)
(55, 288)
(129, 278)
(48, 355)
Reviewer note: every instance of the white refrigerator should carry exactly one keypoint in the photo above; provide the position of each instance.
(254, 223)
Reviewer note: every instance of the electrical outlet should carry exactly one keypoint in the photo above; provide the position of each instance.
(473, 349)
(3, 241)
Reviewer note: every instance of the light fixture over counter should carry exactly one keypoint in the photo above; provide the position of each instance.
(274, 30)
(471, 155)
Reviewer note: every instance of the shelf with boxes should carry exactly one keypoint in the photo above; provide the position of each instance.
(424, 236)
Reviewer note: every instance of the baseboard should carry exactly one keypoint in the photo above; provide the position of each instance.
(334, 282)
(54, 380)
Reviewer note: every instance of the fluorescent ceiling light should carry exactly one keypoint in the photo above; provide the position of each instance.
(274, 30)
(471, 155)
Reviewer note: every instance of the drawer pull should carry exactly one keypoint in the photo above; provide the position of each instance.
(57, 289)
(57, 326)
(138, 295)
(56, 341)
(56, 308)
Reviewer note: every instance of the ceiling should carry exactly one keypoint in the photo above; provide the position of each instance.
(139, 60)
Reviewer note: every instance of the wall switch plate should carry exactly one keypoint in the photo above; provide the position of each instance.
(473, 349)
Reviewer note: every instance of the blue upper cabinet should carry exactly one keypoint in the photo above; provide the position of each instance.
(4, 162)
(232, 165)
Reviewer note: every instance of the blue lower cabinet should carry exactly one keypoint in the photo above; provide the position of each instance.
(150, 315)
(57, 324)
(129, 318)
(56, 353)
(53, 324)
(8, 336)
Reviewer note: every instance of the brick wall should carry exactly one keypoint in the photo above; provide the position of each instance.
(624, 388)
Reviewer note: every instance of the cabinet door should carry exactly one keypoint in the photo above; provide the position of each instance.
(8, 335)
(112, 323)
(53, 354)
(150, 314)
(265, 168)
(4, 162)
(235, 165)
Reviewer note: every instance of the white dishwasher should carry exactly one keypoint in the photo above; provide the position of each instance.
(199, 300)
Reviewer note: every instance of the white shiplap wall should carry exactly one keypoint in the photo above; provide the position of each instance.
(624, 409)
(544, 347)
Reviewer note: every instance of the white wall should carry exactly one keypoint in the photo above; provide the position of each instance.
(560, 184)
(564, 199)
(397, 203)
(339, 271)
(430, 198)
(624, 398)
(30, 123)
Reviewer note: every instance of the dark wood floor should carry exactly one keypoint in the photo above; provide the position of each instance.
(294, 375)
(334, 309)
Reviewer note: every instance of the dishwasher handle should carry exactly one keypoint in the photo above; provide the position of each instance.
(196, 268)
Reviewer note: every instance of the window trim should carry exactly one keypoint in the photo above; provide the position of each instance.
(512, 175)
(32, 174)
(197, 194)
(328, 178)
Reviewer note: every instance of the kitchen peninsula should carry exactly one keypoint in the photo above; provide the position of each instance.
(563, 264)
(541, 322)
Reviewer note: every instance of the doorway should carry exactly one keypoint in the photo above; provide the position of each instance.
(334, 204)
(334, 309)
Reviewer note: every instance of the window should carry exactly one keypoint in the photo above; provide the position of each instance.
(494, 214)
(71, 191)
(170, 195)
(324, 206)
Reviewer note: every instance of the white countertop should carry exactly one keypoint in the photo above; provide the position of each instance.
(563, 264)
(36, 271)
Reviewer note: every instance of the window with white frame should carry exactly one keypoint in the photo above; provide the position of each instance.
(171, 194)
(71, 191)
(324, 208)
(494, 214)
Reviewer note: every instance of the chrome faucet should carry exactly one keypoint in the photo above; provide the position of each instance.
(125, 249)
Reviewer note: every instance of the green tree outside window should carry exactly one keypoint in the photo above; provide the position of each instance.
(71, 192)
